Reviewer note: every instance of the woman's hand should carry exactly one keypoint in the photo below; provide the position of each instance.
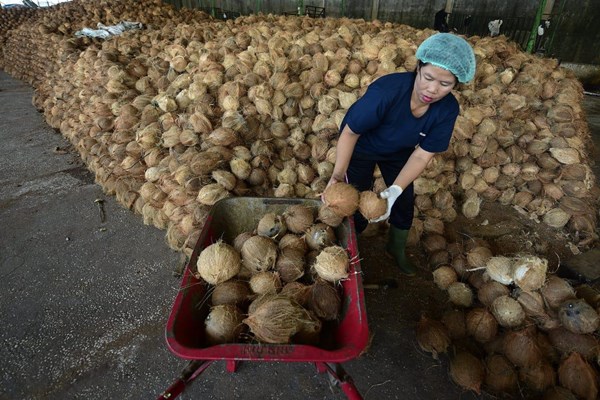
(390, 194)
(334, 179)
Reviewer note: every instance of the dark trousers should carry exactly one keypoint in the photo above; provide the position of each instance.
(360, 175)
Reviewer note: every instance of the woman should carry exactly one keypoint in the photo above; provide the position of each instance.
(399, 124)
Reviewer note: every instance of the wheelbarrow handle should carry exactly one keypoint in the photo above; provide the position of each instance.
(173, 391)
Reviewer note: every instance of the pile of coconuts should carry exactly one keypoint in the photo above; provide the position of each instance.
(514, 329)
(278, 283)
(189, 110)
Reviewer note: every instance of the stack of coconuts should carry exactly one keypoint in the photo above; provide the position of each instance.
(516, 329)
(11, 18)
(173, 118)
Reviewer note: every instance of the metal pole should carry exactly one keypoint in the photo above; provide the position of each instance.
(556, 22)
(374, 10)
(300, 7)
(536, 23)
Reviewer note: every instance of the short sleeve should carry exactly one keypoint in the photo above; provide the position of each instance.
(438, 137)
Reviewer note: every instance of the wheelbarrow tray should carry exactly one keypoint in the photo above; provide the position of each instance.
(346, 338)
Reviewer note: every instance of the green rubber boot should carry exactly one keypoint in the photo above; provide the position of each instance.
(396, 246)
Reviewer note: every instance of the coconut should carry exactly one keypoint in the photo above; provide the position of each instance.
(567, 342)
(324, 300)
(589, 294)
(556, 217)
(290, 264)
(529, 272)
(556, 291)
(233, 292)
(480, 324)
(292, 241)
(432, 336)
(499, 269)
(444, 276)
(309, 331)
(508, 312)
(490, 291)
(578, 316)
(329, 217)
(276, 319)
(478, 256)
(266, 282)
(332, 263)
(212, 193)
(342, 198)
(240, 239)
(259, 253)
(521, 348)
(538, 377)
(298, 218)
(500, 376)
(223, 324)
(471, 206)
(318, 236)
(460, 294)
(454, 320)
(297, 291)
(371, 206)
(558, 393)
(532, 303)
(467, 371)
(575, 374)
(218, 263)
(272, 226)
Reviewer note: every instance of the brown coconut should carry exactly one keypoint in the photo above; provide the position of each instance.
(532, 303)
(218, 263)
(444, 276)
(298, 218)
(266, 282)
(538, 377)
(556, 291)
(342, 198)
(223, 324)
(460, 294)
(467, 371)
(567, 342)
(240, 239)
(454, 320)
(324, 300)
(481, 324)
(490, 291)
(508, 312)
(501, 376)
(309, 331)
(328, 216)
(332, 264)
(529, 272)
(432, 336)
(297, 291)
(293, 241)
(575, 374)
(276, 319)
(272, 226)
(371, 206)
(234, 292)
(319, 235)
(521, 348)
(558, 393)
(259, 253)
(290, 264)
(478, 256)
(499, 269)
(578, 316)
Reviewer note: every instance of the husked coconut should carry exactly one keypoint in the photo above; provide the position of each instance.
(342, 198)
(371, 206)
(272, 226)
(223, 324)
(529, 272)
(259, 253)
(432, 336)
(218, 263)
(578, 316)
(508, 312)
(332, 264)
(298, 218)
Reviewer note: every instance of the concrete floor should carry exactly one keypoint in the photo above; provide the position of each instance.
(85, 302)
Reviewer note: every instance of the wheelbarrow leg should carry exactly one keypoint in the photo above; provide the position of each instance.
(231, 365)
(189, 373)
(339, 377)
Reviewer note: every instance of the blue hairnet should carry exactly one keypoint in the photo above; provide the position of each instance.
(450, 52)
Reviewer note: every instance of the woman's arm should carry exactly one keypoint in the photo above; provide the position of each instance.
(343, 153)
(415, 165)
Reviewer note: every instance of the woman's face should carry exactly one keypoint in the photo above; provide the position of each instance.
(433, 83)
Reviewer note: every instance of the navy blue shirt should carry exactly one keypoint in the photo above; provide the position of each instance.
(386, 125)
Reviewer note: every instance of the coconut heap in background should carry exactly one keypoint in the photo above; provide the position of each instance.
(190, 110)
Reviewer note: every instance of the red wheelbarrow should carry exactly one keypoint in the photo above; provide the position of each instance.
(184, 332)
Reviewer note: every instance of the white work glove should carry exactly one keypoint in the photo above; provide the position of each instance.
(391, 194)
